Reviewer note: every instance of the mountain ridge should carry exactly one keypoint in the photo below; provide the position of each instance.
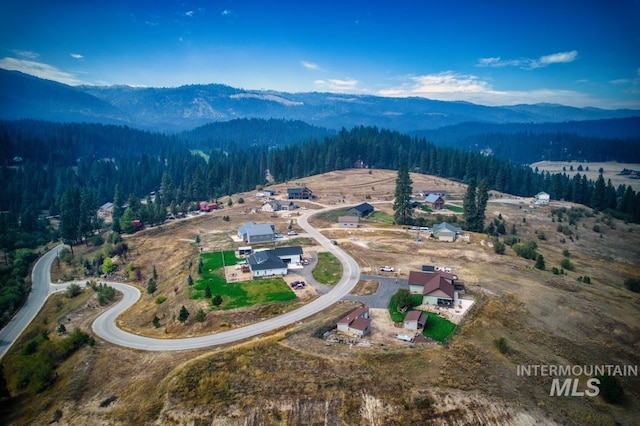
(176, 109)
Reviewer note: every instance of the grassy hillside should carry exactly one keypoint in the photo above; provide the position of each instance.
(292, 377)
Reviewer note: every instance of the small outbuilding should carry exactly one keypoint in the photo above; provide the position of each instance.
(415, 320)
(348, 222)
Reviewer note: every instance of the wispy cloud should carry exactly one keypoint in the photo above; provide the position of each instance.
(530, 63)
(76, 56)
(310, 65)
(225, 12)
(27, 54)
(189, 13)
(336, 85)
(41, 70)
(451, 86)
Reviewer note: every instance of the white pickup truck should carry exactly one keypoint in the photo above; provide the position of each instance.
(387, 269)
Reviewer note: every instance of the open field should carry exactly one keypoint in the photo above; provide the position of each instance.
(292, 377)
(611, 169)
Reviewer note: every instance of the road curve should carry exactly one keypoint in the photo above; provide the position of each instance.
(40, 290)
(105, 325)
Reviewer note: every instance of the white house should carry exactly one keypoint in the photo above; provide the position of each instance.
(348, 222)
(265, 263)
(542, 198)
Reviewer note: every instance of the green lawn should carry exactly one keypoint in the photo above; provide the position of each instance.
(455, 209)
(236, 295)
(266, 290)
(437, 327)
(379, 216)
(328, 270)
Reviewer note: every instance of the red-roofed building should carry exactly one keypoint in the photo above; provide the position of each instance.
(436, 288)
(415, 320)
(207, 207)
(357, 323)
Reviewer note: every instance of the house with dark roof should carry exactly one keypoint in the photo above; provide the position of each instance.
(435, 201)
(436, 288)
(253, 232)
(266, 263)
(348, 222)
(357, 323)
(415, 320)
(289, 255)
(299, 193)
(361, 210)
(445, 232)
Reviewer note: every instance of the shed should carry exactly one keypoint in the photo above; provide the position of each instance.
(348, 222)
(415, 320)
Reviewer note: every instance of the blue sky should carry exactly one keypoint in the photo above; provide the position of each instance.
(579, 53)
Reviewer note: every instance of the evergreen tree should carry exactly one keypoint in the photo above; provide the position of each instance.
(156, 321)
(70, 216)
(217, 300)
(540, 262)
(402, 203)
(151, 286)
(482, 197)
(469, 206)
(183, 315)
(126, 221)
(207, 292)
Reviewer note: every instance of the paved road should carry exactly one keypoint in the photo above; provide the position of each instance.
(105, 326)
(40, 290)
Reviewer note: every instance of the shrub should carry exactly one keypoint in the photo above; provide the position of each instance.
(555, 271)
(502, 345)
(526, 249)
(610, 389)
(633, 284)
(73, 290)
(160, 300)
(566, 264)
(540, 262)
(498, 246)
(510, 241)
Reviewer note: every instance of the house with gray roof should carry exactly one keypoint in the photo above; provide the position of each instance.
(266, 263)
(435, 201)
(361, 210)
(445, 232)
(253, 233)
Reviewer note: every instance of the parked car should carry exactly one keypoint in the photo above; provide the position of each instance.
(291, 233)
(334, 242)
(387, 268)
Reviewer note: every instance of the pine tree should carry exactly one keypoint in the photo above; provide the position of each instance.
(151, 286)
(217, 300)
(540, 262)
(469, 206)
(183, 315)
(402, 203)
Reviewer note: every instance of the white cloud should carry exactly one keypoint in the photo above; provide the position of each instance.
(530, 63)
(189, 13)
(310, 65)
(226, 12)
(450, 86)
(41, 70)
(336, 85)
(27, 54)
(76, 56)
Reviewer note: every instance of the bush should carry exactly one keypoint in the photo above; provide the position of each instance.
(498, 246)
(610, 389)
(633, 284)
(160, 300)
(566, 264)
(526, 249)
(540, 262)
(502, 345)
(73, 290)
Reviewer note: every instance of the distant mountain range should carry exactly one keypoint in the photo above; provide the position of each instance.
(187, 107)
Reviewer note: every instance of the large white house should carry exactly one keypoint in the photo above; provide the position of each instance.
(542, 198)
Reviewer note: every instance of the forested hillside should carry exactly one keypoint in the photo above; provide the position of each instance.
(68, 170)
(593, 140)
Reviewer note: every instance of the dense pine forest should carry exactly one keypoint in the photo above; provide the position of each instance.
(69, 170)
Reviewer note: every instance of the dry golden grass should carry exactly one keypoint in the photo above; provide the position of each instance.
(291, 377)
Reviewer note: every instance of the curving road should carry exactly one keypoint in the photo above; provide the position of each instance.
(40, 290)
(105, 325)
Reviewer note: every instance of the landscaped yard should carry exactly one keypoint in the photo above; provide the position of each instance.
(328, 270)
(438, 328)
(237, 295)
(379, 216)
